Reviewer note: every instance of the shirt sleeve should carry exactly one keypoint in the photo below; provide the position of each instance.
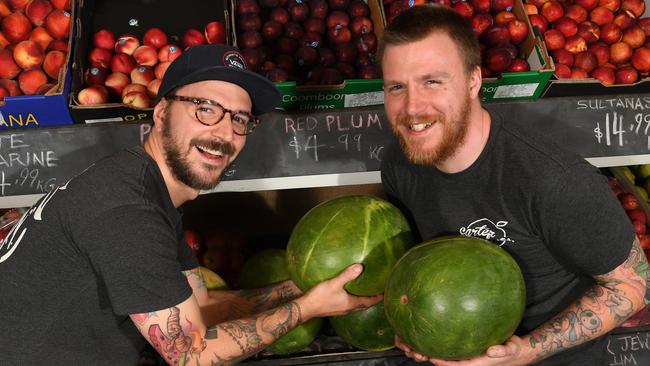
(135, 254)
(583, 223)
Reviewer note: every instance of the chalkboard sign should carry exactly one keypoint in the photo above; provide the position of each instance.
(35, 160)
(628, 349)
(591, 126)
(316, 143)
(340, 141)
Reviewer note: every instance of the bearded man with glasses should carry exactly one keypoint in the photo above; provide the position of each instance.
(99, 266)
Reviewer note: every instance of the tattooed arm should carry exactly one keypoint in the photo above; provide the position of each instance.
(219, 306)
(616, 296)
(180, 334)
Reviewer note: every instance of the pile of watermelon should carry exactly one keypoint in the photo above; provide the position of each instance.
(451, 297)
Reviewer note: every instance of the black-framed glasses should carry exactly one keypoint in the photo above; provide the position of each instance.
(209, 113)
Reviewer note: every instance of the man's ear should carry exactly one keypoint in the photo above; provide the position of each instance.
(475, 81)
(159, 113)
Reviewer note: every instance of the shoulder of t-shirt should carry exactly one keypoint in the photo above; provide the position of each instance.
(531, 143)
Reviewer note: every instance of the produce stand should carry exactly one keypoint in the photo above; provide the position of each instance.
(310, 151)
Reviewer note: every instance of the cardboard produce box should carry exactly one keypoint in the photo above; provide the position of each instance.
(522, 85)
(133, 17)
(51, 107)
(509, 85)
(590, 87)
(349, 93)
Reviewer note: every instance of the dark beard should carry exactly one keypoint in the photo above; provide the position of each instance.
(453, 137)
(180, 166)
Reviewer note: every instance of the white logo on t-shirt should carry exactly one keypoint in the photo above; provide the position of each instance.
(488, 230)
(9, 244)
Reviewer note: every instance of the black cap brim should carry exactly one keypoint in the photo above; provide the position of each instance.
(263, 93)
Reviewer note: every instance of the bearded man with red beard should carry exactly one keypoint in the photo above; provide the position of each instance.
(457, 169)
(99, 266)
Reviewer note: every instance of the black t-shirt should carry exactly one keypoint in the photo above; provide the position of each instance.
(550, 209)
(107, 244)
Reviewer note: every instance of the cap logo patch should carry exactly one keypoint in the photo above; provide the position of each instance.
(234, 59)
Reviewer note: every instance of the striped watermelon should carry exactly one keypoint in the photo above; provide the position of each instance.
(453, 297)
(346, 230)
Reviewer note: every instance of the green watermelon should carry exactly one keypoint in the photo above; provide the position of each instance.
(368, 329)
(264, 268)
(453, 297)
(346, 230)
(270, 266)
(298, 338)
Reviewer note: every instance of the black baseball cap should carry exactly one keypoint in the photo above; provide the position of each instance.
(220, 62)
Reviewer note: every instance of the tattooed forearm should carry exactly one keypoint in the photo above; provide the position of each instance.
(271, 296)
(244, 333)
(639, 263)
(278, 328)
(617, 295)
(253, 335)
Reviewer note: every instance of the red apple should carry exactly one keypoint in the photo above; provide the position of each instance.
(575, 44)
(567, 26)
(554, 39)
(612, 5)
(620, 52)
(634, 36)
(104, 38)
(629, 201)
(127, 43)
(192, 37)
(123, 63)
(160, 69)
(611, 33)
(562, 71)
(169, 52)
(585, 60)
(518, 31)
(142, 75)
(53, 62)
(552, 11)
(37, 11)
(28, 54)
(16, 27)
(589, 31)
(94, 75)
(538, 20)
(145, 55)
(641, 59)
(30, 81)
(99, 57)
(137, 99)
(601, 51)
(58, 24)
(601, 16)
(116, 82)
(154, 37)
(604, 74)
(576, 12)
(215, 33)
(563, 56)
(464, 9)
(578, 73)
(518, 65)
(633, 8)
(94, 94)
